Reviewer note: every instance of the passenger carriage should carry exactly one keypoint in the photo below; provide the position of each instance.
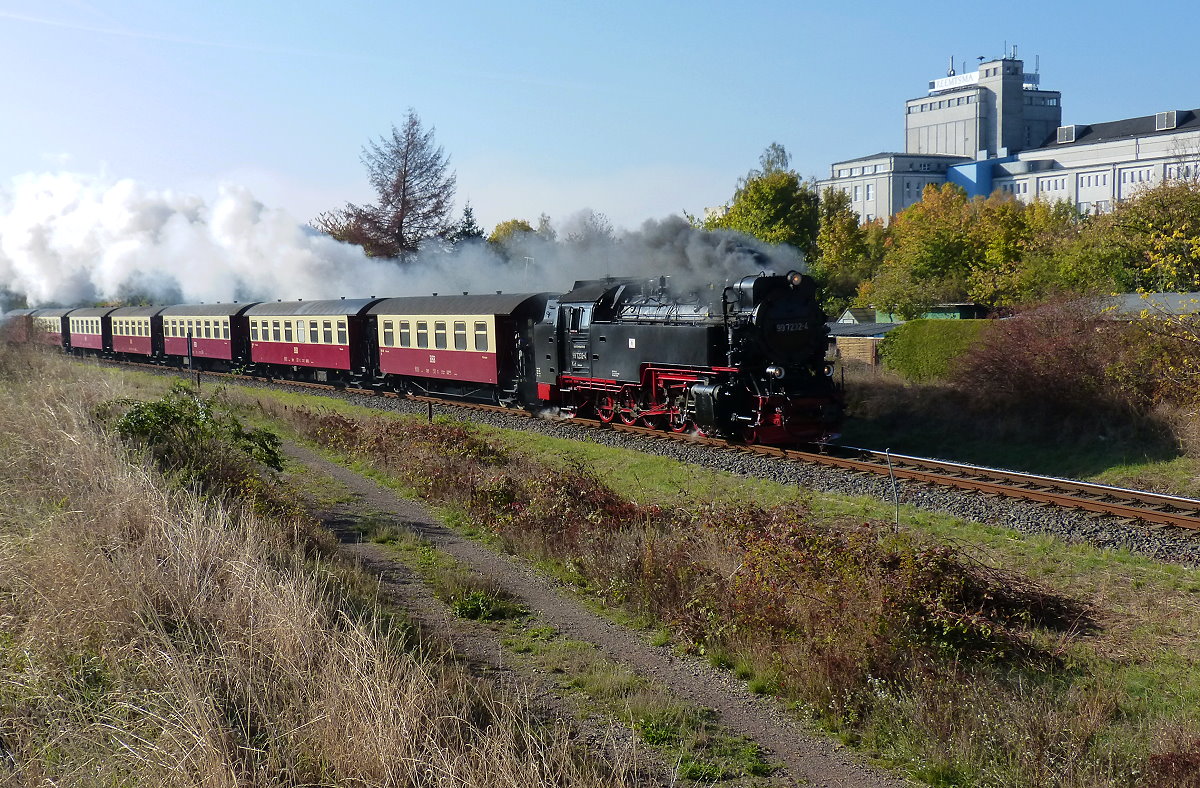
(51, 326)
(137, 332)
(17, 325)
(89, 331)
(471, 347)
(320, 341)
(218, 334)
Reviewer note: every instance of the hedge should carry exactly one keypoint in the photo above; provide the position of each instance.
(923, 350)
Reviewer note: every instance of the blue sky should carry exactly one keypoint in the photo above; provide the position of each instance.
(635, 110)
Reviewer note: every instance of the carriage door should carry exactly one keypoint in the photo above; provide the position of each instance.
(579, 341)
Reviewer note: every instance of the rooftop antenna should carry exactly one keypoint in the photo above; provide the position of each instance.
(1014, 57)
(1037, 64)
(950, 71)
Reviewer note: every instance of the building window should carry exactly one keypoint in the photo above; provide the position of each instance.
(870, 191)
(857, 193)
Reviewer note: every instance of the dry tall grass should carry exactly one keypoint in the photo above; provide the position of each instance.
(149, 638)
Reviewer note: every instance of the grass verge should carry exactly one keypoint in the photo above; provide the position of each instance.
(161, 636)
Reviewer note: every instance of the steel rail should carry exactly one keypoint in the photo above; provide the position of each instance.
(1133, 505)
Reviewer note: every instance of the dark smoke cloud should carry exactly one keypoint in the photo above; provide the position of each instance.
(75, 239)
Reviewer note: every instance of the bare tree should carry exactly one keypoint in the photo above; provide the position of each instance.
(410, 174)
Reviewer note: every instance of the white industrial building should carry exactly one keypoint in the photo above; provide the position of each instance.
(995, 128)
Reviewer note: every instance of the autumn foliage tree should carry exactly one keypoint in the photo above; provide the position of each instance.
(411, 177)
(772, 204)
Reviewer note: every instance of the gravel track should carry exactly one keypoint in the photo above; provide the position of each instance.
(808, 758)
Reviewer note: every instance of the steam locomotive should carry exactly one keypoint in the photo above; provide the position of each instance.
(746, 361)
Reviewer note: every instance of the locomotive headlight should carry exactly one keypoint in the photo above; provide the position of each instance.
(794, 278)
(775, 371)
(828, 370)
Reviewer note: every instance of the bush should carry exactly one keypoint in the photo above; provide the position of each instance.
(927, 350)
(1058, 359)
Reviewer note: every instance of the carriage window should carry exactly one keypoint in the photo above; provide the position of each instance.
(287, 331)
(276, 335)
(405, 334)
(314, 332)
(481, 343)
(342, 338)
(460, 335)
(389, 333)
(254, 330)
(302, 332)
(328, 331)
(422, 334)
(224, 329)
(439, 334)
(208, 329)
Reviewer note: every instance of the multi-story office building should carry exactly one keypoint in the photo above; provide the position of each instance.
(996, 129)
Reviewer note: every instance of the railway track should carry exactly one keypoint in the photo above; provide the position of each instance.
(1156, 510)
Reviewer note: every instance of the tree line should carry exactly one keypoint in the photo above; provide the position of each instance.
(996, 251)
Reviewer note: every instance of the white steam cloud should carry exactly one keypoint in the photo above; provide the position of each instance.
(73, 239)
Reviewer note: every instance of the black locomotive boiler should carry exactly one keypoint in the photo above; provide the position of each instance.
(746, 361)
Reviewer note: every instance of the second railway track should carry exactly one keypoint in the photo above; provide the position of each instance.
(1155, 509)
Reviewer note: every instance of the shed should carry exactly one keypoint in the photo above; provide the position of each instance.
(953, 311)
(1131, 305)
(858, 341)
(857, 315)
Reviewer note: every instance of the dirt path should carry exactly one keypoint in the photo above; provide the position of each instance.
(809, 759)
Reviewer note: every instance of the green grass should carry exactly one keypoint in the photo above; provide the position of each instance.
(682, 734)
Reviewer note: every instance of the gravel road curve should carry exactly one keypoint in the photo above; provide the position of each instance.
(808, 758)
